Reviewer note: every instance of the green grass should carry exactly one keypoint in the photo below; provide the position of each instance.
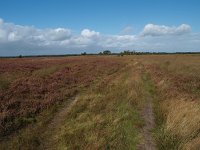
(30, 137)
(4, 82)
(166, 140)
(130, 126)
(47, 71)
(6, 79)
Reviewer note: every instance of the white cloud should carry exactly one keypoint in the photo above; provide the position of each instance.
(58, 34)
(89, 33)
(28, 40)
(10, 32)
(117, 41)
(3, 35)
(158, 30)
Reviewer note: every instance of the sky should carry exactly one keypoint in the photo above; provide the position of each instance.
(36, 27)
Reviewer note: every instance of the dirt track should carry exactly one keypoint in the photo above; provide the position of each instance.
(50, 140)
(149, 119)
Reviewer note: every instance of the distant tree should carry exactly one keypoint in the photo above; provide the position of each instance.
(20, 56)
(106, 52)
(84, 53)
(100, 53)
(128, 52)
(121, 54)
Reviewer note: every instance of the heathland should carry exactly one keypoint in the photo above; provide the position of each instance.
(100, 102)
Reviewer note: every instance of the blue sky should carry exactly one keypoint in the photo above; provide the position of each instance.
(105, 22)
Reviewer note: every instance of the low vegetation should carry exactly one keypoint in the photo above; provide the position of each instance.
(100, 101)
(107, 116)
(177, 103)
(41, 85)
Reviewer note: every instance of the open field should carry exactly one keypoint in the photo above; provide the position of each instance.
(100, 102)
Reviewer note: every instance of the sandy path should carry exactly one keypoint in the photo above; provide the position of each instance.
(149, 119)
(53, 127)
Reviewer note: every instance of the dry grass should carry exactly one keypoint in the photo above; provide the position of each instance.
(183, 120)
(107, 116)
(177, 80)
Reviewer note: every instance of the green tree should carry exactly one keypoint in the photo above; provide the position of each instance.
(106, 52)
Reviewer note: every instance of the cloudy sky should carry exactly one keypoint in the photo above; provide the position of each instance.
(34, 27)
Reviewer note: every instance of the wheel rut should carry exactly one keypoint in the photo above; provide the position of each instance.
(50, 141)
(149, 121)
(147, 114)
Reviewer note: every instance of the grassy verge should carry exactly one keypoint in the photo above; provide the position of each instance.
(177, 117)
(4, 83)
(48, 71)
(7, 78)
(165, 140)
(107, 116)
(180, 128)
